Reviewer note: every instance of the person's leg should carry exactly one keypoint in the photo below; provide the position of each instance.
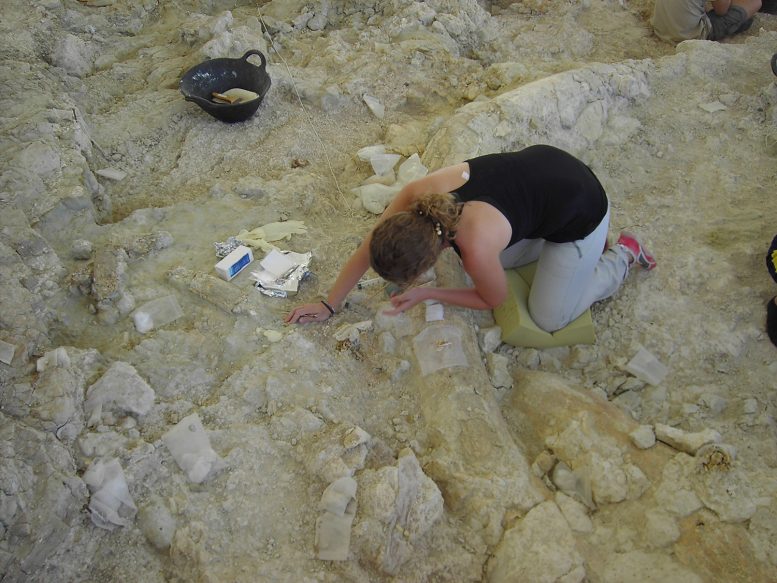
(572, 276)
(738, 19)
(750, 6)
(521, 253)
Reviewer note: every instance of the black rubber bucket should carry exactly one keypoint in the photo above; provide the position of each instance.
(219, 75)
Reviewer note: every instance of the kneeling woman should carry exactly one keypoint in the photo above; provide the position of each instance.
(497, 211)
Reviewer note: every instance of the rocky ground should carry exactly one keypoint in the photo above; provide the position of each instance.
(225, 446)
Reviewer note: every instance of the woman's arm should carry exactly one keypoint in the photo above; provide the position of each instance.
(463, 297)
(490, 289)
(443, 180)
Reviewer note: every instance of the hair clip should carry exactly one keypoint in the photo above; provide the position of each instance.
(438, 229)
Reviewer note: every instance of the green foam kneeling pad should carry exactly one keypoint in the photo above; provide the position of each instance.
(518, 328)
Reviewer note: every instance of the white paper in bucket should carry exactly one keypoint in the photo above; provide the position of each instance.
(439, 347)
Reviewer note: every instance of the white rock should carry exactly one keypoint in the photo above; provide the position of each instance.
(675, 493)
(646, 367)
(383, 164)
(354, 437)
(713, 106)
(685, 441)
(639, 566)
(575, 513)
(572, 484)
(53, 358)
(643, 437)
(120, 390)
(272, 335)
(376, 197)
(112, 174)
(81, 249)
(661, 529)
(540, 547)
(398, 505)
(368, 152)
(157, 523)
(490, 338)
(388, 344)
(727, 491)
(498, 371)
(609, 481)
(73, 55)
(39, 158)
(637, 481)
(376, 107)
(411, 169)
(715, 403)
(6, 352)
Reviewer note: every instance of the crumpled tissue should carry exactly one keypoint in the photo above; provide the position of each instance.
(281, 273)
(110, 504)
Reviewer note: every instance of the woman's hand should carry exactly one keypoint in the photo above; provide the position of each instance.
(406, 300)
(308, 313)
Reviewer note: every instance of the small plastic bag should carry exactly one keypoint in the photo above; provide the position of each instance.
(156, 313)
(438, 347)
(189, 444)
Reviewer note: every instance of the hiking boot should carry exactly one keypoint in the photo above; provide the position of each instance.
(637, 252)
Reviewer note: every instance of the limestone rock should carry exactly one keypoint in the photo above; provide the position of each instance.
(157, 522)
(73, 55)
(490, 338)
(120, 390)
(42, 496)
(640, 566)
(150, 243)
(688, 442)
(398, 505)
(326, 455)
(643, 437)
(661, 529)
(575, 513)
(675, 492)
(540, 547)
(498, 371)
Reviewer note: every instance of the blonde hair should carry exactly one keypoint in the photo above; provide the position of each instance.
(408, 243)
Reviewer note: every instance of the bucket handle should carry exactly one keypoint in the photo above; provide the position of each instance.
(202, 101)
(255, 52)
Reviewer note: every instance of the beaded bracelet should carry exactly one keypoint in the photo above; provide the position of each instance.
(328, 307)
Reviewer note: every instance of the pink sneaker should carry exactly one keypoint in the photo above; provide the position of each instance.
(638, 253)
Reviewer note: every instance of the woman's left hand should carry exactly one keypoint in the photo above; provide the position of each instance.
(406, 300)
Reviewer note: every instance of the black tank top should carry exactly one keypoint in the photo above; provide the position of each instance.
(544, 192)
